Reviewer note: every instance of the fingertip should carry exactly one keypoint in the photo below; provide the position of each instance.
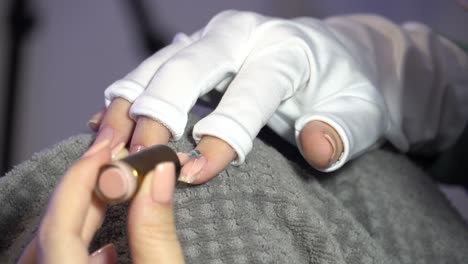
(212, 156)
(148, 132)
(158, 186)
(115, 124)
(321, 144)
(318, 151)
(193, 169)
(119, 151)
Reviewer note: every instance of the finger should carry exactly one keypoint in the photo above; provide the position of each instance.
(321, 144)
(134, 83)
(215, 58)
(357, 115)
(73, 196)
(104, 255)
(215, 155)
(151, 226)
(96, 212)
(93, 220)
(265, 80)
(148, 133)
(116, 126)
(95, 121)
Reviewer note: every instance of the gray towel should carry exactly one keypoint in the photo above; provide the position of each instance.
(378, 209)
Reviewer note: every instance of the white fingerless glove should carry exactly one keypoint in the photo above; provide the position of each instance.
(262, 65)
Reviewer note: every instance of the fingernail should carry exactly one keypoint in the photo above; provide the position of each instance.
(93, 125)
(93, 122)
(121, 154)
(96, 148)
(333, 144)
(105, 133)
(136, 148)
(191, 170)
(162, 186)
(106, 254)
(117, 149)
(184, 157)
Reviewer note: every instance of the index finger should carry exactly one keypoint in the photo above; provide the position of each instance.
(73, 196)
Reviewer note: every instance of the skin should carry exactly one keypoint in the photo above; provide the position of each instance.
(74, 214)
(319, 150)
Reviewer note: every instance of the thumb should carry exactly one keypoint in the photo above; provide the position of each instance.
(151, 227)
(321, 144)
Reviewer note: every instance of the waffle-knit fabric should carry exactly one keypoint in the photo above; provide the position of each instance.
(379, 208)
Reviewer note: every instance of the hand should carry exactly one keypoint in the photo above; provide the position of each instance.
(74, 214)
(266, 67)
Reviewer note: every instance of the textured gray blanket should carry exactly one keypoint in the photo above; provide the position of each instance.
(378, 209)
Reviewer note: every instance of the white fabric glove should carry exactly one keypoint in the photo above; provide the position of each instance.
(363, 75)
(260, 62)
(356, 73)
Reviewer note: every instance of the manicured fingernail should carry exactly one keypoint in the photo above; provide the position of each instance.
(105, 133)
(184, 157)
(332, 142)
(191, 170)
(121, 154)
(94, 121)
(106, 254)
(136, 148)
(163, 184)
(117, 149)
(96, 148)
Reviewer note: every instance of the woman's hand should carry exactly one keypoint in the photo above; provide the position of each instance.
(291, 74)
(74, 214)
